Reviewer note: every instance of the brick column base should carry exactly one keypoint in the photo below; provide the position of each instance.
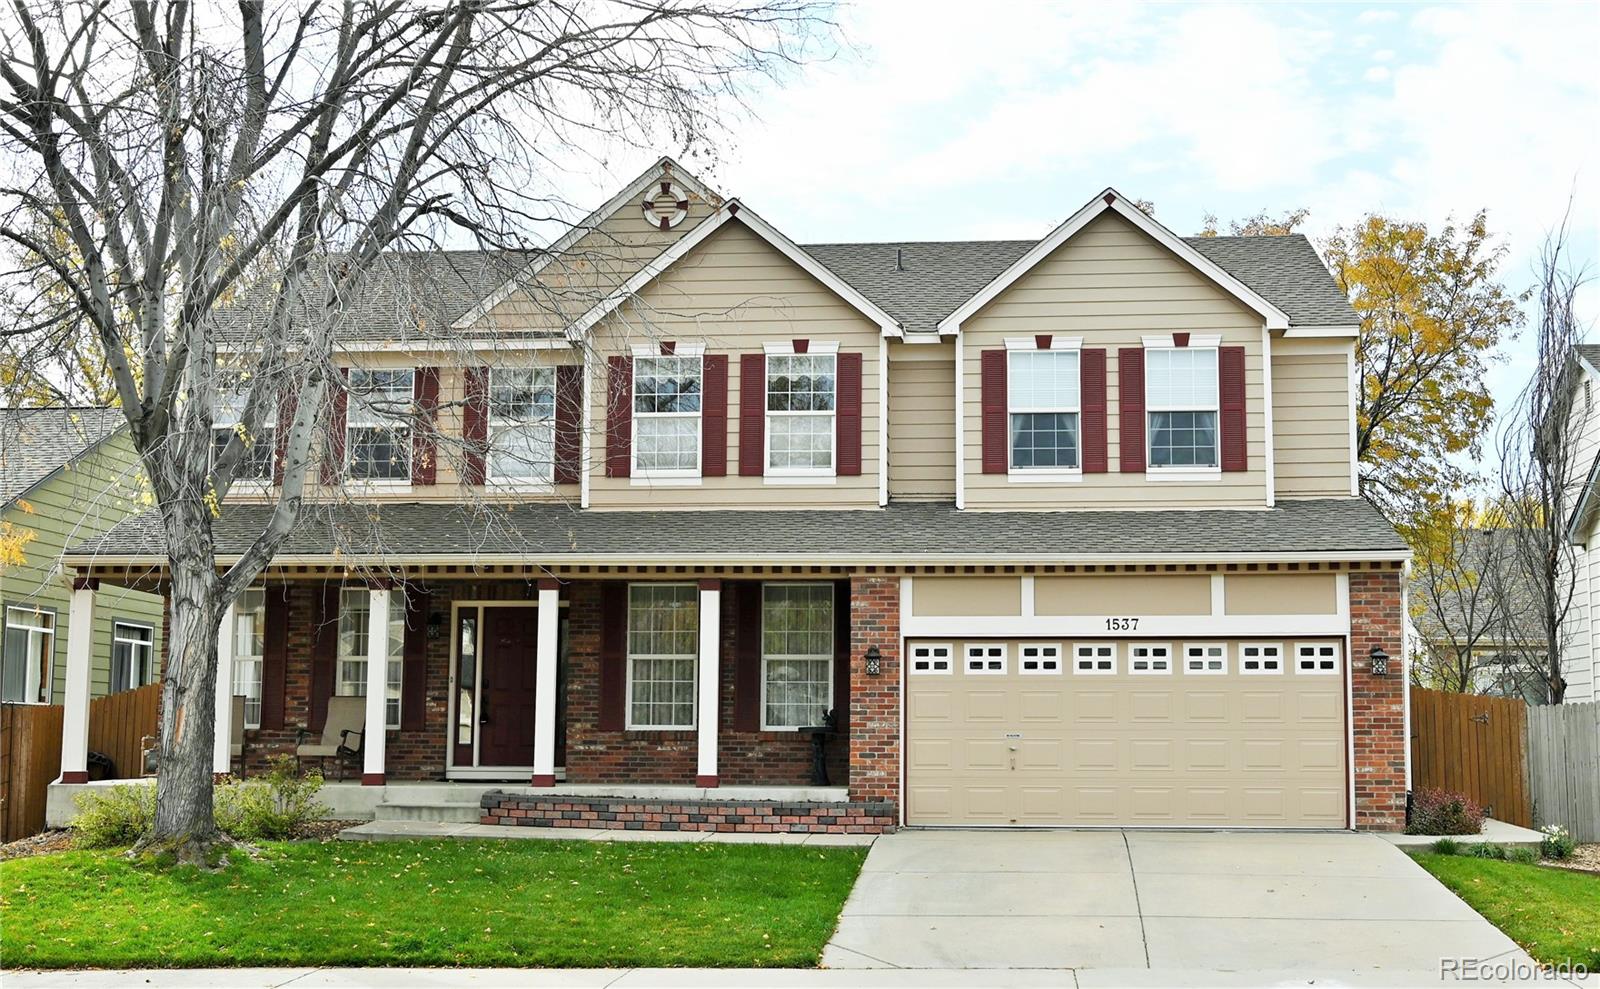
(1377, 711)
(875, 700)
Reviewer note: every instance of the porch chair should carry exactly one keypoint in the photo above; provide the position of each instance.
(341, 734)
(236, 748)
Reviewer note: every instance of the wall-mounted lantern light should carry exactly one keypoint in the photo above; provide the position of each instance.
(874, 661)
(1380, 662)
(436, 625)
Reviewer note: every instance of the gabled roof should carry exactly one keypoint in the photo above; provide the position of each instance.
(1111, 200)
(37, 443)
(734, 211)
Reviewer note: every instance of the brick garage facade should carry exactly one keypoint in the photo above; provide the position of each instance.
(751, 816)
(875, 700)
(1377, 714)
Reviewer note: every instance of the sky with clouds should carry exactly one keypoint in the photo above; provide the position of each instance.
(957, 120)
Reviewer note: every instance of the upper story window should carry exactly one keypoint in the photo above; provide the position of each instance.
(377, 434)
(663, 653)
(132, 653)
(522, 416)
(226, 420)
(801, 402)
(1042, 396)
(1181, 403)
(29, 656)
(666, 414)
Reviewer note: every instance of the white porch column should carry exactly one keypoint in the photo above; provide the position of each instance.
(374, 736)
(75, 715)
(222, 742)
(544, 684)
(710, 681)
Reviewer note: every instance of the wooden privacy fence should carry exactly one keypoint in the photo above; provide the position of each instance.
(30, 757)
(1473, 745)
(30, 750)
(1564, 767)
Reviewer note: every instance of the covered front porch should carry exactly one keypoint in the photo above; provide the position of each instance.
(428, 687)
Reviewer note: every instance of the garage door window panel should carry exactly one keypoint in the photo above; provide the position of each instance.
(796, 654)
(1148, 659)
(1182, 408)
(986, 659)
(1260, 658)
(932, 659)
(1039, 659)
(1043, 405)
(1095, 659)
(1317, 658)
(1205, 658)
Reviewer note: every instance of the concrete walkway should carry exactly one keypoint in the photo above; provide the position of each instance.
(407, 830)
(1494, 833)
(1330, 903)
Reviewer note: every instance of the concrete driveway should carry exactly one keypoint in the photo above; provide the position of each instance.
(1118, 902)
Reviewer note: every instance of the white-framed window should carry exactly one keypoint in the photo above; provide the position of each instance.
(1039, 658)
(1042, 398)
(931, 659)
(377, 436)
(1181, 406)
(663, 654)
(355, 618)
(249, 651)
(801, 403)
(1205, 658)
(29, 655)
(133, 652)
(985, 659)
(1260, 658)
(666, 414)
(1094, 658)
(260, 447)
(1149, 659)
(1317, 658)
(796, 654)
(522, 424)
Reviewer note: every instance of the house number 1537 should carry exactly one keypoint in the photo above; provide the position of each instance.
(1122, 624)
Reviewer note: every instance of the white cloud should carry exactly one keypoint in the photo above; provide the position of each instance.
(1376, 74)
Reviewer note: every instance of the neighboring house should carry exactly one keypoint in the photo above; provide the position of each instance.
(67, 475)
(1581, 663)
(1064, 532)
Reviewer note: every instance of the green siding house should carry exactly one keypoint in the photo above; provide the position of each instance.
(66, 475)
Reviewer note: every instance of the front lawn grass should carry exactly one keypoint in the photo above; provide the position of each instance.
(477, 903)
(1553, 913)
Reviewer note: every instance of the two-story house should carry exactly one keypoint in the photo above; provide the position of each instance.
(1061, 532)
(1580, 659)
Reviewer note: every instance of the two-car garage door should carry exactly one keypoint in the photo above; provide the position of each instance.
(1178, 733)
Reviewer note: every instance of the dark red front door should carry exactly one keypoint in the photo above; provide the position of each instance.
(506, 713)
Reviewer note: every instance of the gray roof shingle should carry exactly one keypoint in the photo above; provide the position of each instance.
(35, 443)
(1284, 270)
(548, 532)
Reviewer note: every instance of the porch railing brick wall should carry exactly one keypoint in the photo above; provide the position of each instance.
(1378, 703)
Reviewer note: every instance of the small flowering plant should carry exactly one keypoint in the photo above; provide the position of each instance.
(1557, 844)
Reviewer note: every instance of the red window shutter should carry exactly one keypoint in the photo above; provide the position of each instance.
(752, 415)
(619, 417)
(1092, 381)
(338, 404)
(1230, 392)
(613, 656)
(747, 656)
(475, 426)
(280, 436)
(569, 414)
(841, 653)
(425, 433)
(714, 417)
(324, 653)
(996, 458)
(847, 419)
(1130, 409)
(274, 656)
(414, 663)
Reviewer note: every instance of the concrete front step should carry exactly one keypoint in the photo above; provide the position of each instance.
(443, 812)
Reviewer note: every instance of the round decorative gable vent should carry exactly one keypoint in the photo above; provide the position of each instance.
(666, 206)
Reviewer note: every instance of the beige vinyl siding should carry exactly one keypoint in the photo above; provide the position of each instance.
(1311, 417)
(77, 504)
(922, 422)
(1112, 284)
(735, 292)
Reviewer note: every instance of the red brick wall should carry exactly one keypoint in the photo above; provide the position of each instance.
(1378, 703)
(760, 817)
(875, 700)
(595, 756)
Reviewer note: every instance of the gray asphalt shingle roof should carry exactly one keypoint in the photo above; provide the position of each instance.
(1589, 352)
(1285, 271)
(547, 532)
(34, 443)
